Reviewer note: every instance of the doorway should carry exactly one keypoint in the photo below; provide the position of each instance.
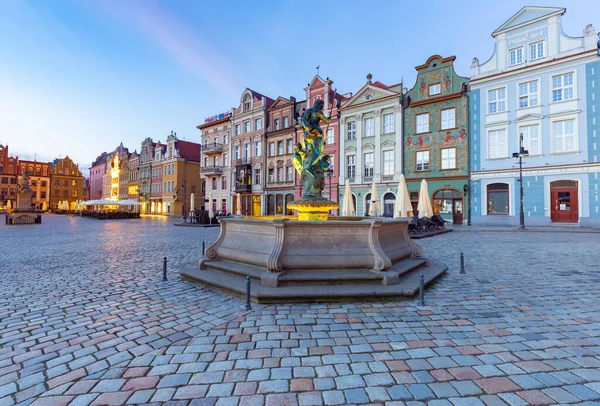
(256, 206)
(564, 202)
(449, 204)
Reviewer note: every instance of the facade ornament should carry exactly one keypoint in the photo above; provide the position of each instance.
(377, 112)
(475, 63)
(398, 108)
(589, 30)
(359, 116)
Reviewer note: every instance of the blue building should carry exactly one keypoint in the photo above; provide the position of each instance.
(541, 86)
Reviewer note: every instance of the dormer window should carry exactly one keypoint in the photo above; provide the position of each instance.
(246, 104)
(536, 51)
(435, 89)
(516, 56)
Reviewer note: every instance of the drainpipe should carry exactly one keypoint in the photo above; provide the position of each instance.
(465, 91)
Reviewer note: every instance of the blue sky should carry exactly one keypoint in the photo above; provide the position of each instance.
(77, 77)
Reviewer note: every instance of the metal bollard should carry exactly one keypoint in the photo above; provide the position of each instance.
(248, 282)
(422, 290)
(203, 247)
(462, 263)
(165, 269)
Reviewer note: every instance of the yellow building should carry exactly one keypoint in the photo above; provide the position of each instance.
(66, 182)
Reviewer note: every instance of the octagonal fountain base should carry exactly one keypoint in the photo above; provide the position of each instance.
(306, 261)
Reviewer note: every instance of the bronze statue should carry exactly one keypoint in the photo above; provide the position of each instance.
(309, 161)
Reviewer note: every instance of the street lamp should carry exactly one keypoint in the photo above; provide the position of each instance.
(522, 152)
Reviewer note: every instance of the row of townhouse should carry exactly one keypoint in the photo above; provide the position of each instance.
(458, 133)
(161, 177)
(51, 182)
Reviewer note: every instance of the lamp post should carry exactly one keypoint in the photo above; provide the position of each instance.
(467, 191)
(522, 152)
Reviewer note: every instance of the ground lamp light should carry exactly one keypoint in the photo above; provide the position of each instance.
(522, 152)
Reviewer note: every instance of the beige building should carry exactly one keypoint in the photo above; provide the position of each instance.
(66, 182)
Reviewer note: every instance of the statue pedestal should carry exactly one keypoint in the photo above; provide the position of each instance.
(313, 208)
(23, 213)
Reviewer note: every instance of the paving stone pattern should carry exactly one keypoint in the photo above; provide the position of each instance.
(85, 319)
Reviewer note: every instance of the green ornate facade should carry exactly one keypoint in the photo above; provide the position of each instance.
(436, 140)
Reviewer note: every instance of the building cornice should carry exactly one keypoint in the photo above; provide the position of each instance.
(432, 100)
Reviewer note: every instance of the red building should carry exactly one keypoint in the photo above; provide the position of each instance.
(8, 177)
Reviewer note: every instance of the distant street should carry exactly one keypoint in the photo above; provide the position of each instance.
(86, 319)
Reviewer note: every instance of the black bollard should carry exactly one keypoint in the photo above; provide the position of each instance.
(203, 247)
(165, 269)
(248, 282)
(462, 263)
(422, 290)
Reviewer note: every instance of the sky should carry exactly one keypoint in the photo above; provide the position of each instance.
(78, 77)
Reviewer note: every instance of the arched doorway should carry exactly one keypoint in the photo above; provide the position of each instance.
(256, 206)
(449, 204)
(279, 204)
(388, 204)
(367, 203)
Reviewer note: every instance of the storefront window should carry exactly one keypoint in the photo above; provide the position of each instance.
(497, 199)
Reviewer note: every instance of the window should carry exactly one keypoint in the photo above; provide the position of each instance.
(225, 139)
(422, 123)
(225, 162)
(448, 119)
(388, 163)
(276, 124)
(497, 100)
(73, 183)
(247, 150)
(536, 51)
(257, 151)
(351, 130)
(369, 130)
(497, 144)
(237, 129)
(516, 56)
(562, 87)
(279, 147)
(435, 89)
(331, 164)
(271, 175)
(531, 139)
(330, 139)
(236, 152)
(369, 165)
(422, 160)
(448, 158)
(214, 183)
(247, 102)
(271, 149)
(290, 146)
(257, 176)
(563, 136)
(528, 94)
(247, 127)
(290, 173)
(286, 122)
(388, 123)
(350, 166)
(43, 194)
(280, 174)
(257, 124)
(497, 199)
(44, 183)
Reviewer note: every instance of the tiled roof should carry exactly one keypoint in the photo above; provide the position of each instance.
(379, 85)
(188, 150)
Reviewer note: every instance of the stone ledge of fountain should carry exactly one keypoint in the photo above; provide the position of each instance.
(289, 260)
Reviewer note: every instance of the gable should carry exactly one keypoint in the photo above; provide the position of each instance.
(280, 102)
(528, 15)
(368, 93)
(529, 117)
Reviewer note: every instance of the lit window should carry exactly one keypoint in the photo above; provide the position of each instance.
(562, 87)
(422, 160)
(497, 199)
(528, 94)
(516, 56)
(497, 100)
(448, 158)
(497, 144)
(435, 89)
(388, 123)
(563, 136)
(536, 51)
(448, 119)
(422, 121)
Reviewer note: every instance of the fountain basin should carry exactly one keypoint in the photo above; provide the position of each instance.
(290, 260)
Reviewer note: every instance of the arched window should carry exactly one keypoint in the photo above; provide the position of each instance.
(279, 207)
(367, 203)
(497, 199)
(247, 102)
(443, 200)
(270, 204)
(288, 199)
(388, 204)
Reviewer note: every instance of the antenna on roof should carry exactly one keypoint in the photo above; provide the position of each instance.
(318, 66)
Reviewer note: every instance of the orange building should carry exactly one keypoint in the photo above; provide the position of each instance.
(66, 183)
(39, 177)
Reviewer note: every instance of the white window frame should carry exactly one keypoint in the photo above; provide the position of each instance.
(530, 97)
(351, 130)
(369, 130)
(556, 90)
(257, 149)
(236, 152)
(246, 127)
(257, 176)
(286, 122)
(388, 123)
(257, 124)
(534, 49)
(422, 126)
(496, 101)
(330, 136)
(280, 147)
(422, 158)
(448, 161)
(290, 146)
(276, 124)
(526, 130)
(247, 150)
(238, 129)
(574, 134)
(388, 162)
(350, 166)
(434, 89)
(368, 164)
(448, 123)
(518, 56)
(272, 149)
(289, 173)
(501, 147)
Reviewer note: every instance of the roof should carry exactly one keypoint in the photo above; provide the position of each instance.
(188, 150)
(528, 15)
(379, 85)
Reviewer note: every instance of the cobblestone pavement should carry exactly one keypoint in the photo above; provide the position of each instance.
(86, 319)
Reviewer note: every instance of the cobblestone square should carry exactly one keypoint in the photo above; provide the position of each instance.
(85, 319)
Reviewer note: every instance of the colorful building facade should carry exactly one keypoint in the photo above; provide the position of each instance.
(436, 138)
(9, 168)
(66, 183)
(371, 145)
(145, 174)
(156, 193)
(39, 178)
(539, 91)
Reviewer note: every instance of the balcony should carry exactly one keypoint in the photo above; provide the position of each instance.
(211, 170)
(243, 163)
(240, 188)
(212, 148)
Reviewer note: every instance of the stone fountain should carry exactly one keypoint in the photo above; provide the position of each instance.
(312, 257)
(23, 213)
